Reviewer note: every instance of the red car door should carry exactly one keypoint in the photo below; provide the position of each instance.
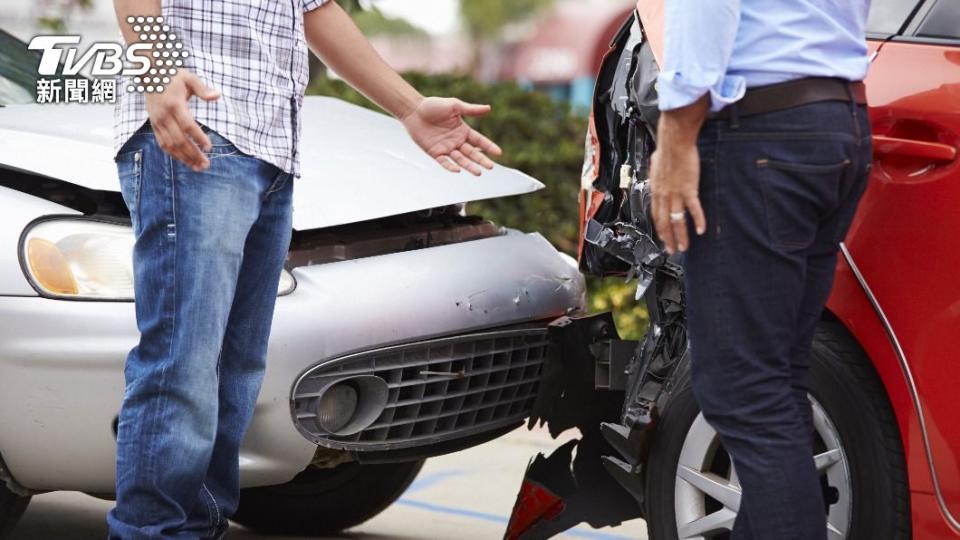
(906, 238)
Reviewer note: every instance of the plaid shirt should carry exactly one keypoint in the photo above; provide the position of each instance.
(255, 54)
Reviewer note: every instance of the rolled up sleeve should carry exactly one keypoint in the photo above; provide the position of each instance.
(310, 5)
(699, 39)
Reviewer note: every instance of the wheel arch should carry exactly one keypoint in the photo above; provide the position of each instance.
(7, 480)
(851, 309)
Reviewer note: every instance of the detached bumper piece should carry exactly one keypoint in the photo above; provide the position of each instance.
(560, 491)
(612, 391)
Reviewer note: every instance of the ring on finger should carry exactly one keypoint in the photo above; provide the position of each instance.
(677, 217)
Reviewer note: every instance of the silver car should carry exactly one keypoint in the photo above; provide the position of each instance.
(405, 328)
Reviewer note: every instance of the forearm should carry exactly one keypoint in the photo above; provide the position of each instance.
(336, 40)
(679, 128)
(134, 8)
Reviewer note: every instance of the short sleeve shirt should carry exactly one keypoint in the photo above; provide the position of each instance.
(252, 51)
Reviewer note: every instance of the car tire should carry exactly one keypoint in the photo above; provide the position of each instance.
(12, 507)
(849, 395)
(323, 502)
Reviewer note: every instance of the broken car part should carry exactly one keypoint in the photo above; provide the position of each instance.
(611, 390)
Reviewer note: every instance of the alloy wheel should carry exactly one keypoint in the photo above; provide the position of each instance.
(708, 492)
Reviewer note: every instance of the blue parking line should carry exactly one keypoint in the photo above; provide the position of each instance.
(450, 510)
(498, 519)
(429, 480)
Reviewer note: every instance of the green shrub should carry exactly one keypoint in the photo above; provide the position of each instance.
(543, 138)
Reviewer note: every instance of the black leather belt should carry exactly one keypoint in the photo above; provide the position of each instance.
(780, 96)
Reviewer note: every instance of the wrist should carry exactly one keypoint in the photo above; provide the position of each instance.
(673, 137)
(681, 127)
(408, 107)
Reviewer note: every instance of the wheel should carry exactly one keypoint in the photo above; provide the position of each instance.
(322, 502)
(11, 508)
(691, 488)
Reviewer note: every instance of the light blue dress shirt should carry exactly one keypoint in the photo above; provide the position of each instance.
(726, 46)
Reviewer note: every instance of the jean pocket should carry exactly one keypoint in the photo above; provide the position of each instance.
(220, 146)
(222, 152)
(130, 173)
(795, 197)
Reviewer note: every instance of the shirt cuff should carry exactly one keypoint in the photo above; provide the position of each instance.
(310, 5)
(675, 91)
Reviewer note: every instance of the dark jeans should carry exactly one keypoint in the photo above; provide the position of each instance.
(779, 190)
(207, 262)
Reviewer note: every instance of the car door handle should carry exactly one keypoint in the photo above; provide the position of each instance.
(932, 151)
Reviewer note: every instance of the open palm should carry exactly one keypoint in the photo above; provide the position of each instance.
(437, 126)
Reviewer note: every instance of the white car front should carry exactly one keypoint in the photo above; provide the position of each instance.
(437, 319)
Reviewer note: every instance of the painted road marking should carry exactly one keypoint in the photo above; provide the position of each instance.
(429, 480)
(439, 477)
(431, 507)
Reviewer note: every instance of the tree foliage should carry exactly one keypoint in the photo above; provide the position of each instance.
(373, 22)
(350, 6)
(485, 19)
(543, 138)
(56, 13)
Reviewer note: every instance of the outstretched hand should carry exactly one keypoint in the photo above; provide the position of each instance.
(437, 126)
(178, 134)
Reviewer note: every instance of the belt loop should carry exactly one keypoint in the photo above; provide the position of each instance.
(853, 108)
(734, 116)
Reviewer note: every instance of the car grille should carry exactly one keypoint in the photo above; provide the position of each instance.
(439, 390)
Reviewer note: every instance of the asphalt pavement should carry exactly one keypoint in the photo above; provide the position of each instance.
(463, 496)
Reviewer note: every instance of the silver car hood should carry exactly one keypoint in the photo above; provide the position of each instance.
(357, 164)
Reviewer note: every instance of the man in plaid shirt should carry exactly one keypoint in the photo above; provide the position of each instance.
(206, 167)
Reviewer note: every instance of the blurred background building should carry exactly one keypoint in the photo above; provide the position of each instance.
(560, 51)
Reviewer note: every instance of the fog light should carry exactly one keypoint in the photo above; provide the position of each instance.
(337, 407)
(347, 406)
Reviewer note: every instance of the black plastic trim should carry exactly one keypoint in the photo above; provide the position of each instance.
(434, 450)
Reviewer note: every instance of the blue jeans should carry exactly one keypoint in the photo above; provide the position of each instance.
(779, 191)
(209, 252)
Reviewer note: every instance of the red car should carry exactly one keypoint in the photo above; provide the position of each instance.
(884, 370)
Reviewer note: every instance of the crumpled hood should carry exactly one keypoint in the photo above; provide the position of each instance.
(357, 164)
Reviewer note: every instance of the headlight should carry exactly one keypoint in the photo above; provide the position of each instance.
(75, 258)
(89, 260)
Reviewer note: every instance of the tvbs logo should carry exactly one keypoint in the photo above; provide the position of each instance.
(149, 64)
(107, 59)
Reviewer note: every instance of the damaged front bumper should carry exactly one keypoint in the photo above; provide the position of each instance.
(67, 357)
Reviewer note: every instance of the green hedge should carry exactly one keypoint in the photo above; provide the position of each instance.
(542, 137)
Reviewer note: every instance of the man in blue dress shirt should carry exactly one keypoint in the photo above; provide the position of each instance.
(764, 149)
